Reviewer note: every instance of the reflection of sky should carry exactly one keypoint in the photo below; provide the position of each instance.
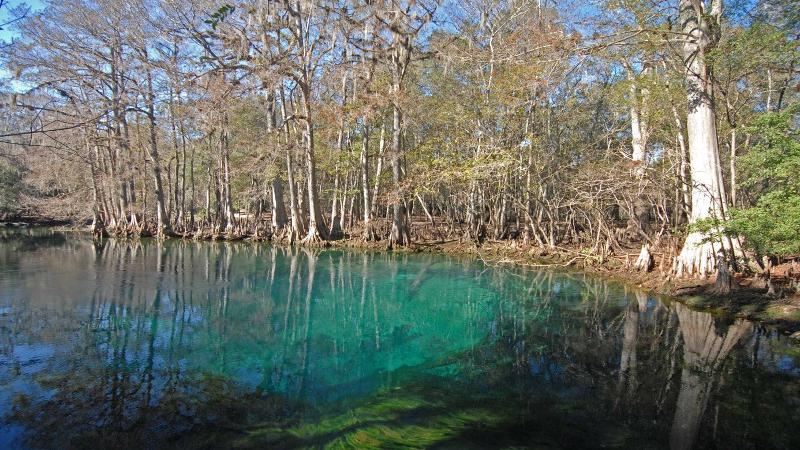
(342, 358)
(17, 371)
(217, 315)
(787, 364)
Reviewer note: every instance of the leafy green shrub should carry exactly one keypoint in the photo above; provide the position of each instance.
(771, 175)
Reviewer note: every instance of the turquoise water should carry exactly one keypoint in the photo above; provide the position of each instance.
(209, 345)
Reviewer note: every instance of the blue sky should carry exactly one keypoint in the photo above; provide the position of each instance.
(7, 33)
(5, 15)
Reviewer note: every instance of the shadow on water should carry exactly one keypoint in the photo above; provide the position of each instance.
(187, 344)
(30, 239)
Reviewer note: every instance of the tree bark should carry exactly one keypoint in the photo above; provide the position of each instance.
(399, 235)
(378, 169)
(278, 209)
(162, 219)
(316, 223)
(698, 257)
(227, 198)
(295, 226)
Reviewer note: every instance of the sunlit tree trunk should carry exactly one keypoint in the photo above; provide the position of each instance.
(639, 137)
(227, 198)
(698, 256)
(98, 226)
(369, 231)
(294, 214)
(683, 164)
(278, 209)
(119, 146)
(316, 224)
(638, 116)
(306, 38)
(162, 219)
(336, 219)
(378, 169)
(399, 235)
(400, 56)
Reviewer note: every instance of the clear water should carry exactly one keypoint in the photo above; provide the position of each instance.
(209, 345)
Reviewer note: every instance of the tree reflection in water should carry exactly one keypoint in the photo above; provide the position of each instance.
(213, 344)
(704, 351)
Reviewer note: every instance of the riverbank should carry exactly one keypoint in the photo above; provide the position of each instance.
(236, 344)
(748, 297)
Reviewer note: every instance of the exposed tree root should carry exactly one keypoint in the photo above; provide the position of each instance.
(645, 261)
(399, 236)
(314, 236)
(370, 235)
(698, 257)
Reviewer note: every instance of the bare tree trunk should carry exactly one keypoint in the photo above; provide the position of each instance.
(638, 122)
(162, 218)
(278, 209)
(639, 136)
(119, 143)
(645, 261)
(192, 186)
(378, 169)
(316, 223)
(343, 203)
(98, 226)
(698, 256)
(336, 228)
(369, 232)
(208, 193)
(399, 235)
(227, 198)
(684, 163)
(294, 214)
(733, 167)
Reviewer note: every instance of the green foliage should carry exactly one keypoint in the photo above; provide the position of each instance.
(773, 225)
(220, 15)
(771, 173)
(749, 50)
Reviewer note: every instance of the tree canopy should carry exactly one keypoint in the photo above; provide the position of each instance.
(602, 125)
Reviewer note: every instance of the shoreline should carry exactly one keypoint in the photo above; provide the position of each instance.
(747, 299)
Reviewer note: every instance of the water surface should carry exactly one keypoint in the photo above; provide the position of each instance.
(185, 344)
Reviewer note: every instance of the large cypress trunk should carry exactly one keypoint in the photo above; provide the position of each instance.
(369, 231)
(162, 218)
(698, 256)
(278, 209)
(399, 234)
(316, 223)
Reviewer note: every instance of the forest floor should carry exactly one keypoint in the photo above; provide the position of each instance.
(747, 299)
